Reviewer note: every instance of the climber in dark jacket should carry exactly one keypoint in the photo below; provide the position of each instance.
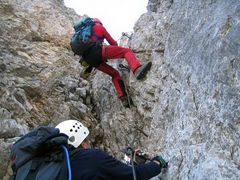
(95, 164)
(113, 51)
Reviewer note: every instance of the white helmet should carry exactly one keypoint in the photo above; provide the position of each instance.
(75, 131)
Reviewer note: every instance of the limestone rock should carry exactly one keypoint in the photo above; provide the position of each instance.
(9, 128)
(187, 109)
(40, 81)
(5, 146)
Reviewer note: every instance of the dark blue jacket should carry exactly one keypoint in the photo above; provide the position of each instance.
(94, 164)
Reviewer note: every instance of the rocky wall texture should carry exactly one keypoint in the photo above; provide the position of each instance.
(188, 107)
(40, 81)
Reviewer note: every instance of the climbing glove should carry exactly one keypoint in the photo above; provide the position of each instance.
(86, 72)
(163, 163)
(83, 63)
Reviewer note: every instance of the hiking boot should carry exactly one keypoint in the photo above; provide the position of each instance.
(124, 100)
(142, 70)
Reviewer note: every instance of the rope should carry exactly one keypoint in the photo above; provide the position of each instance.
(132, 163)
(68, 162)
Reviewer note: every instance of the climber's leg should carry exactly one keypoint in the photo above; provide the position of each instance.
(114, 52)
(116, 78)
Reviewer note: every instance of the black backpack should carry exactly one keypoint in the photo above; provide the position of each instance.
(80, 42)
(41, 154)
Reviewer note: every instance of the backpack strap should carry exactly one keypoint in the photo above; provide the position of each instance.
(99, 39)
(33, 170)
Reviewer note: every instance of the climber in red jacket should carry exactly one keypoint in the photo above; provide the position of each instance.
(113, 51)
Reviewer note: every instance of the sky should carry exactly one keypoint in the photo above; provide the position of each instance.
(117, 16)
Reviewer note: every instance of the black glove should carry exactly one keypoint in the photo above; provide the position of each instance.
(163, 163)
(83, 63)
(88, 70)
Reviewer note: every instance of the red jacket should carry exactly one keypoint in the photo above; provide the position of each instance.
(100, 33)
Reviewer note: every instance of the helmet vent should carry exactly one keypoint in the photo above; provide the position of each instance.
(76, 130)
(85, 132)
(72, 139)
(71, 130)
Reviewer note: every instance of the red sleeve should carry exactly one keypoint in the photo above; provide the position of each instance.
(101, 32)
(108, 37)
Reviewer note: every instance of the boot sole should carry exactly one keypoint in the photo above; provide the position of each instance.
(144, 71)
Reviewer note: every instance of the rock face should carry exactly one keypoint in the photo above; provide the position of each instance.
(39, 76)
(187, 108)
